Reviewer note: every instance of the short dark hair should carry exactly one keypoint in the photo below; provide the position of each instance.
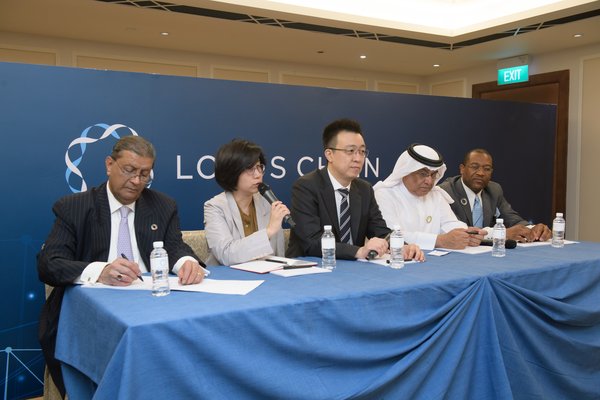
(234, 158)
(135, 144)
(482, 151)
(331, 131)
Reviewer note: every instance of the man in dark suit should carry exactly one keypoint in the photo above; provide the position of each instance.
(478, 201)
(90, 239)
(323, 197)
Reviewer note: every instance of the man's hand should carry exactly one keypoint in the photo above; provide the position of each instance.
(377, 244)
(520, 233)
(190, 273)
(541, 232)
(459, 238)
(413, 252)
(120, 272)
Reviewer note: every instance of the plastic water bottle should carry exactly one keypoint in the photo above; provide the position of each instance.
(397, 248)
(499, 239)
(328, 248)
(159, 265)
(558, 231)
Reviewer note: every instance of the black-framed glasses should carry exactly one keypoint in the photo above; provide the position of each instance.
(425, 173)
(256, 170)
(132, 173)
(352, 152)
(488, 169)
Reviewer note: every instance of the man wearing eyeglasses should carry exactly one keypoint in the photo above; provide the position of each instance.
(409, 198)
(335, 196)
(106, 234)
(479, 201)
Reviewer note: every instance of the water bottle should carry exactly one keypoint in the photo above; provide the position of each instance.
(328, 248)
(558, 231)
(159, 265)
(499, 239)
(397, 248)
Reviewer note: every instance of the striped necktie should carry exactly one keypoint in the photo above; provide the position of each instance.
(477, 213)
(344, 217)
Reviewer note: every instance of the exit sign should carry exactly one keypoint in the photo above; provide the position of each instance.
(513, 75)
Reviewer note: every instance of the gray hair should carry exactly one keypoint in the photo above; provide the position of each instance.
(135, 144)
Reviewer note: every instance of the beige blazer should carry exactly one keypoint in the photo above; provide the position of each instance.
(225, 232)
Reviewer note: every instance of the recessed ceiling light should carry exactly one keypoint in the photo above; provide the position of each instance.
(577, 35)
(362, 56)
(164, 33)
(436, 65)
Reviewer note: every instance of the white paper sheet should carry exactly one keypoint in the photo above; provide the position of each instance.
(207, 286)
(471, 250)
(299, 271)
(383, 260)
(546, 243)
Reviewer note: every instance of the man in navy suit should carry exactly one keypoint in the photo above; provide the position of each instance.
(474, 182)
(317, 201)
(83, 244)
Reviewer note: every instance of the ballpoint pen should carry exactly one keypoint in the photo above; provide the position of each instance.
(125, 257)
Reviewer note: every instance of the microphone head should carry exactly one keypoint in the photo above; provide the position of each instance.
(263, 187)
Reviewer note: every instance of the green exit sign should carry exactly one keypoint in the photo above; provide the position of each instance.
(513, 75)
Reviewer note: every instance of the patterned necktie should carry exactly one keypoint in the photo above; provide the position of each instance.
(124, 240)
(477, 213)
(344, 217)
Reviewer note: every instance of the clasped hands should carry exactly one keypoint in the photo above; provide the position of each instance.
(381, 246)
(460, 238)
(522, 233)
(123, 272)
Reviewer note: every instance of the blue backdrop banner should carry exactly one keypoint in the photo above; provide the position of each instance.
(58, 125)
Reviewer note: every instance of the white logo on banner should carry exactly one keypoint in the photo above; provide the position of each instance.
(82, 141)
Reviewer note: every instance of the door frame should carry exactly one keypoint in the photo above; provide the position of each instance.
(559, 180)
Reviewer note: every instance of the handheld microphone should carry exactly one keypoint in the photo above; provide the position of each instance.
(509, 243)
(268, 194)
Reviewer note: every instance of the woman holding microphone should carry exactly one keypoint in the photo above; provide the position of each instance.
(240, 224)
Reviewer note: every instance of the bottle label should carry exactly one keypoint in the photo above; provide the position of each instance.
(558, 226)
(159, 264)
(328, 243)
(396, 242)
(499, 234)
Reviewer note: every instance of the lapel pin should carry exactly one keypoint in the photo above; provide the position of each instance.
(154, 227)
(463, 201)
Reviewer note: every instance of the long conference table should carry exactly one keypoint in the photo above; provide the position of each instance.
(526, 326)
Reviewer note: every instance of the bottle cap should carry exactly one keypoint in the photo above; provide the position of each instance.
(327, 227)
(559, 214)
(500, 220)
(158, 244)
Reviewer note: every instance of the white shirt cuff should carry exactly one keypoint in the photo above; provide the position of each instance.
(182, 260)
(91, 273)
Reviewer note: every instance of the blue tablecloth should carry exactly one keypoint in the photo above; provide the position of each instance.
(526, 326)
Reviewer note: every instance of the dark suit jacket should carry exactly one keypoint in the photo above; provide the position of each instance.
(313, 205)
(492, 198)
(81, 235)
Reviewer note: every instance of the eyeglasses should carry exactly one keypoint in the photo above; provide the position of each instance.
(425, 173)
(352, 152)
(257, 170)
(131, 173)
(475, 167)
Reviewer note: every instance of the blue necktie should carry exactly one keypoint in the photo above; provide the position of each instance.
(477, 213)
(344, 217)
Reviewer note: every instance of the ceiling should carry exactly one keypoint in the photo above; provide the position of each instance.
(284, 35)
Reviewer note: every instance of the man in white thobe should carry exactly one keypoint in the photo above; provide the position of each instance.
(409, 198)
